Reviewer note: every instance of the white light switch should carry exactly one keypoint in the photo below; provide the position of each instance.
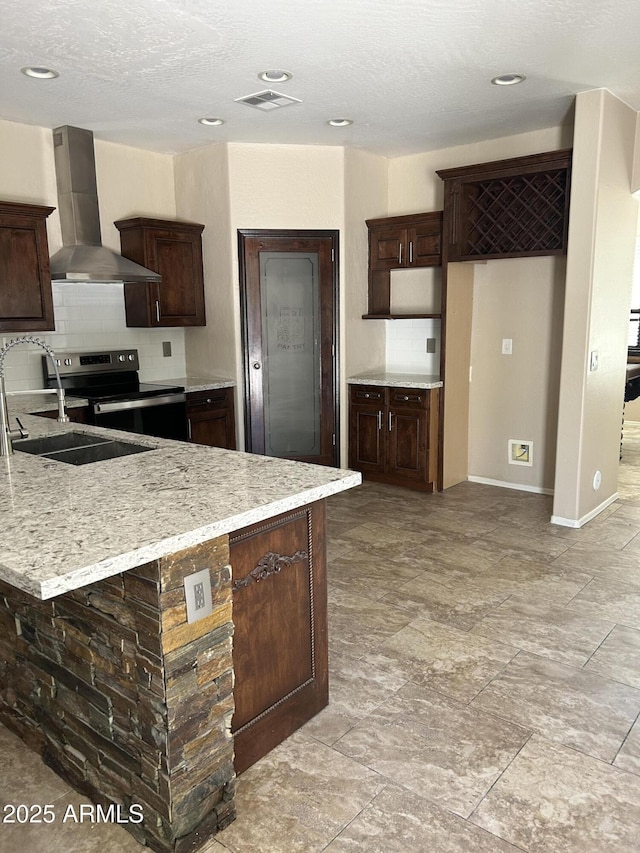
(507, 346)
(593, 360)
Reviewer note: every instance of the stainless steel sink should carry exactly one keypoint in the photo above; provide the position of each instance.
(78, 448)
(54, 443)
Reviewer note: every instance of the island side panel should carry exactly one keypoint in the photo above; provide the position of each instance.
(280, 617)
(125, 699)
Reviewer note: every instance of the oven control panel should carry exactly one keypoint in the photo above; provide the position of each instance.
(74, 362)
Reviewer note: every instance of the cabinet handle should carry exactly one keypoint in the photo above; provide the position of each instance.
(189, 428)
(411, 252)
(390, 421)
(379, 420)
(157, 310)
(399, 253)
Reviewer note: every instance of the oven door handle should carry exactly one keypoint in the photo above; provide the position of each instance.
(144, 403)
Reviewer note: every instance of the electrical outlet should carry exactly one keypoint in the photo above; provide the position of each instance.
(166, 348)
(431, 344)
(197, 594)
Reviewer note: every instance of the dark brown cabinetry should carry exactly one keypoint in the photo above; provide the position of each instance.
(508, 208)
(173, 249)
(76, 414)
(280, 629)
(211, 418)
(26, 303)
(393, 435)
(400, 242)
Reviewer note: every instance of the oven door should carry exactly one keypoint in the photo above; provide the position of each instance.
(162, 416)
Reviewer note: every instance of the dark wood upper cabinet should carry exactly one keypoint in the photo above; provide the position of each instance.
(26, 303)
(507, 208)
(173, 249)
(396, 243)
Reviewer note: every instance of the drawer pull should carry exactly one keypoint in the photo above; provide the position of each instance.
(405, 398)
(207, 402)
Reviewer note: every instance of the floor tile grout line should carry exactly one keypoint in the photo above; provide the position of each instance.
(604, 640)
(624, 740)
(497, 779)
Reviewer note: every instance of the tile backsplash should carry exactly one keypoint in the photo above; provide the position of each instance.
(406, 345)
(88, 317)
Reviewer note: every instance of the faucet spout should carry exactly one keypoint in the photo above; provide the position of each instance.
(7, 435)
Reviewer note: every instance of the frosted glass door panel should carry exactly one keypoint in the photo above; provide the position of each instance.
(289, 297)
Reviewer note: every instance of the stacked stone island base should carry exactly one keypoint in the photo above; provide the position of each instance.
(126, 700)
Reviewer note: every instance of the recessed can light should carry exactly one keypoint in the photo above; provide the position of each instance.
(211, 122)
(39, 72)
(275, 76)
(340, 122)
(508, 79)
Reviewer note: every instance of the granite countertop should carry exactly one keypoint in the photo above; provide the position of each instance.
(396, 380)
(196, 383)
(64, 526)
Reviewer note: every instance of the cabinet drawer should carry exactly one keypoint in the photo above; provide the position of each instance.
(367, 394)
(198, 401)
(408, 398)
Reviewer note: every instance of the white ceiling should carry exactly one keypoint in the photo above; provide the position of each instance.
(412, 74)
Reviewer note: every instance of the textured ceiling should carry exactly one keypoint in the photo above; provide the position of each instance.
(412, 74)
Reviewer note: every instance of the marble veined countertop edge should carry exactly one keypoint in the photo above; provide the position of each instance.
(65, 526)
(396, 380)
(106, 568)
(196, 383)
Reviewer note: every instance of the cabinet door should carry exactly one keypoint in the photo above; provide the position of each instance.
(173, 249)
(211, 418)
(387, 248)
(26, 303)
(407, 433)
(366, 433)
(280, 629)
(425, 243)
(177, 256)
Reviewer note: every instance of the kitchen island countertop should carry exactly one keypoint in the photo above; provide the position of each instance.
(65, 526)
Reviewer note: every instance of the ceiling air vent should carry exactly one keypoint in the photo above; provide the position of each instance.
(267, 100)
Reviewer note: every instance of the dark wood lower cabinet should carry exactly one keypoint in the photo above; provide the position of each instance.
(77, 414)
(280, 654)
(211, 418)
(393, 435)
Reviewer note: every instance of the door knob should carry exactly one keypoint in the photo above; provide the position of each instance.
(256, 365)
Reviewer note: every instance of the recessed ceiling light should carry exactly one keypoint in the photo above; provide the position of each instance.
(211, 122)
(39, 72)
(340, 122)
(275, 76)
(508, 79)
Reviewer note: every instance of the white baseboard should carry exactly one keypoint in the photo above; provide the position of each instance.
(538, 490)
(580, 522)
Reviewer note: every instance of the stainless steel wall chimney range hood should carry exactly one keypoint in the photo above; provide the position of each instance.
(82, 257)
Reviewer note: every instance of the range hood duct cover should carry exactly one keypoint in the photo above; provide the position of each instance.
(82, 257)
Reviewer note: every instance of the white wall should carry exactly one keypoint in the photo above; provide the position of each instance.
(516, 396)
(131, 182)
(202, 195)
(498, 407)
(602, 233)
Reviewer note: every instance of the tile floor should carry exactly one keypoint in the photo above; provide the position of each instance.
(485, 689)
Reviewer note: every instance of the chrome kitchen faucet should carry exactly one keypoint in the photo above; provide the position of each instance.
(7, 435)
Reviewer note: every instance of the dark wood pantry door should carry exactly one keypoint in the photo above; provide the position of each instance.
(288, 286)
